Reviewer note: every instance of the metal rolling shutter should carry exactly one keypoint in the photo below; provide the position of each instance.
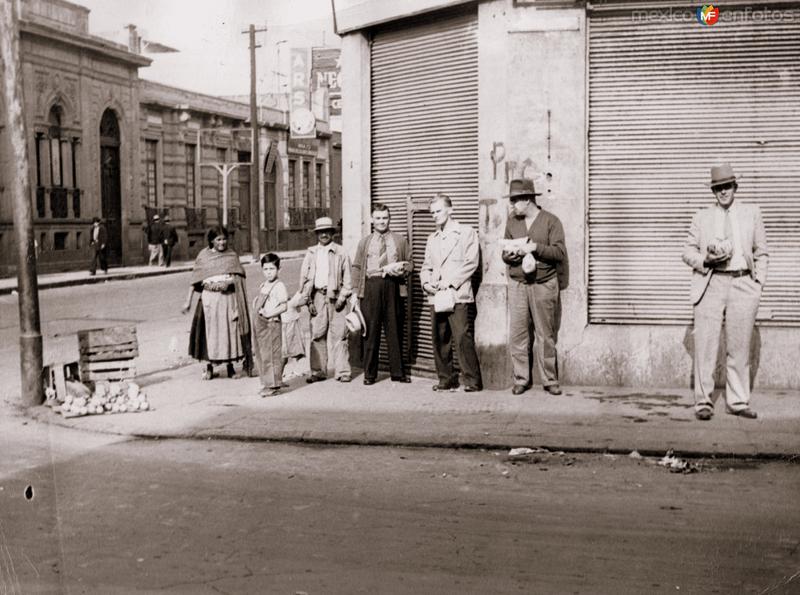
(425, 136)
(667, 99)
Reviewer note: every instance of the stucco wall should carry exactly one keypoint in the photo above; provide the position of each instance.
(533, 120)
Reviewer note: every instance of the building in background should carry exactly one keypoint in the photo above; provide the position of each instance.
(618, 111)
(104, 142)
(81, 107)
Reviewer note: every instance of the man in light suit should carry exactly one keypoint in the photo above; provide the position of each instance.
(727, 250)
(451, 257)
(325, 285)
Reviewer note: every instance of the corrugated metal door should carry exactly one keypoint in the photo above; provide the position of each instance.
(669, 97)
(425, 137)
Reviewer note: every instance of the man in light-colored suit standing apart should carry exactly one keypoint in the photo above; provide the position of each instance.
(452, 255)
(727, 250)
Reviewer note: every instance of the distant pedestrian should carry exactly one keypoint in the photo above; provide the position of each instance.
(268, 306)
(533, 286)
(380, 274)
(325, 284)
(152, 232)
(220, 331)
(169, 237)
(727, 250)
(98, 242)
(452, 255)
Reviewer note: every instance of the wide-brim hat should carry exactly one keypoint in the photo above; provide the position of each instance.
(156, 217)
(722, 174)
(324, 223)
(521, 188)
(355, 322)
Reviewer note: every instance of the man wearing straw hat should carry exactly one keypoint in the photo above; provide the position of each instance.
(727, 250)
(325, 283)
(536, 254)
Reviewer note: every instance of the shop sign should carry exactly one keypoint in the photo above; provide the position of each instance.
(302, 123)
(326, 72)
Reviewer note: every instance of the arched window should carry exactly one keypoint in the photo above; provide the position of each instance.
(56, 167)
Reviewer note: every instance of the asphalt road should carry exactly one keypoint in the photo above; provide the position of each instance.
(152, 303)
(107, 516)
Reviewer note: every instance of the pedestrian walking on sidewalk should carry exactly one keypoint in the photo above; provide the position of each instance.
(98, 242)
(325, 284)
(169, 237)
(380, 281)
(152, 232)
(268, 306)
(452, 254)
(220, 331)
(534, 250)
(727, 250)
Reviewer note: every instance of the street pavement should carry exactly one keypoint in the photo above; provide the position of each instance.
(583, 419)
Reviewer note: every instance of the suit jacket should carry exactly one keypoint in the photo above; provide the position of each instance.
(168, 234)
(102, 236)
(339, 275)
(360, 262)
(703, 230)
(450, 260)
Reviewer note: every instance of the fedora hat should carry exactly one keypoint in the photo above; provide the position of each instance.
(722, 174)
(355, 322)
(521, 188)
(324, 223)
(156, 217)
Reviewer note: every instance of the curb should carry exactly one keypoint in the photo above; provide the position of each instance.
(42, 415)
(121, 276)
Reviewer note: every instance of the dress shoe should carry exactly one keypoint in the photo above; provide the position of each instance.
(704, 414)
(344, 378)
(746, 412)
(369, 381)
(404, 379)
(518, 389)
(472, 389)
(315, 378)
(444, 387)
(553, 389)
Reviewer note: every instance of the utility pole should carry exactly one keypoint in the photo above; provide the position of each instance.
(30, 335)
(255, 161)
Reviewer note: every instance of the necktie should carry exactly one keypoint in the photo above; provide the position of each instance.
(383, 259)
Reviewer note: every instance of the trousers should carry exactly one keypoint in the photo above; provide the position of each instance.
(734, 300)
(382, 308)
(452, 330)
(537, 305)
(327, 325)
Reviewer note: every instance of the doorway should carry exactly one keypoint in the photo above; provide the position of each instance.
(110, 196)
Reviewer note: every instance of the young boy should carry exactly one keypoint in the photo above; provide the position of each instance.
(267, 309)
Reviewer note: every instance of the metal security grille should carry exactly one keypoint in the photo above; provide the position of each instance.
(425, 136)
(669, 97)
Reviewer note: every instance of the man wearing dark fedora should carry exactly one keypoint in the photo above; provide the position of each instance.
(727, 250)
(535, 252)
(325, 284)
(380, 280)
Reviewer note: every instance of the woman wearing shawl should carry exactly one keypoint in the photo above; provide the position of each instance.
(220, 330)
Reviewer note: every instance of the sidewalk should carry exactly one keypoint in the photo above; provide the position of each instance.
(614, 420)
(51, 280)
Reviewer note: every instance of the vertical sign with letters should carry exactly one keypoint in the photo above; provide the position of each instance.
(325, 68)
(302, 121)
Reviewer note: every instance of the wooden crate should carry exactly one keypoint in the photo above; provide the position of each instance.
(108, 353)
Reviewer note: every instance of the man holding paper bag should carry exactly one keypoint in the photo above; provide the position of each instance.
(451, 257)
(534, 250)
